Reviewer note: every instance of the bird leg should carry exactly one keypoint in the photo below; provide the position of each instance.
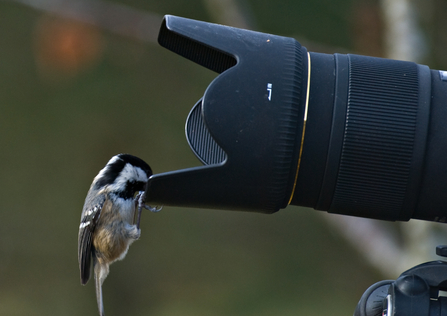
(140, 200)
(101, 272)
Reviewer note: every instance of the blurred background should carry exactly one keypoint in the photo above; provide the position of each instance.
(81, 81)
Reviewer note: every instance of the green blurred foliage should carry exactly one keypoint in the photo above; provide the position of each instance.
(59, 130)
(323, 21)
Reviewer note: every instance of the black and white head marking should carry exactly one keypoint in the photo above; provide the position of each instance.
(123, 176)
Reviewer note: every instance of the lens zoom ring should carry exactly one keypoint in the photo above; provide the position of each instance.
(379, 137)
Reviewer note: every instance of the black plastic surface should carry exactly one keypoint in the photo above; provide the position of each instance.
(252, 110)
(200, 140)
(373, 144)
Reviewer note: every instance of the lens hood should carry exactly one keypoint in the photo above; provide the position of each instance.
(248, 126)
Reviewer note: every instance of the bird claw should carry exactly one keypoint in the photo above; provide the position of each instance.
(140, 201)
(153, 209)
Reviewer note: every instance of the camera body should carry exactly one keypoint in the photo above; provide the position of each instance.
(421, 290)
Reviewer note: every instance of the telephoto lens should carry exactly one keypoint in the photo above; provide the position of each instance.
(279, 125)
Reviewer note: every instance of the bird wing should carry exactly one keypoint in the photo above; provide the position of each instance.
(89, 219)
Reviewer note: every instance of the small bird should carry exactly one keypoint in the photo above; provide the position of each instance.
(108, 217)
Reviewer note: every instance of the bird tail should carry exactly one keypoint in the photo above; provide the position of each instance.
(101, 272)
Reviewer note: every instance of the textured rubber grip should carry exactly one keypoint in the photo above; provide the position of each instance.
(200, 140)
(378, 139)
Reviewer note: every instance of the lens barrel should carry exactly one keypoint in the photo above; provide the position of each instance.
(366, 132)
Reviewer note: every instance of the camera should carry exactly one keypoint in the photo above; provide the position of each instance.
(346, 134)
(279, 125)
(421, 290)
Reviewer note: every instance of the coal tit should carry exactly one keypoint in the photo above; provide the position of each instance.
(108, 218)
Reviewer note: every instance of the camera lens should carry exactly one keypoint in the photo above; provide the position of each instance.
(279, 125)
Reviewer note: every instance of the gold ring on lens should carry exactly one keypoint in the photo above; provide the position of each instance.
(304, 125)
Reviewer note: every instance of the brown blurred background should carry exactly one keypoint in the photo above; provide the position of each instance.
(81, 83)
